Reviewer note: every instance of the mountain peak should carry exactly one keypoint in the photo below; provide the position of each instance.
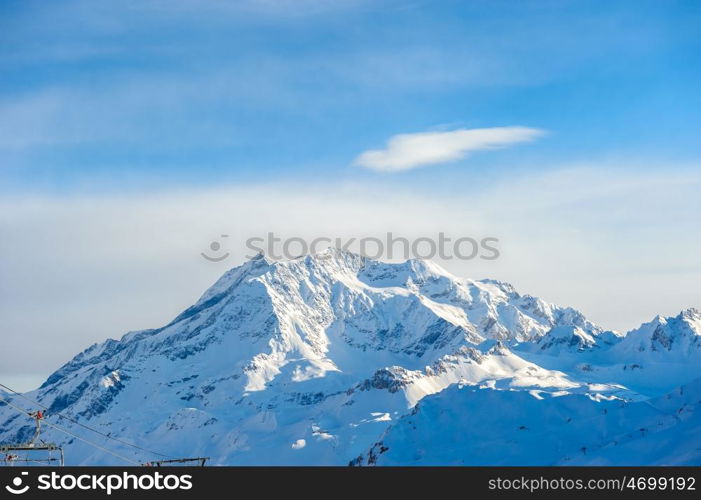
(690, 314)
(274, 347)
(672, 336)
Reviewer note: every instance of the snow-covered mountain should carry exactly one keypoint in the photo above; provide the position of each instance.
(337, 359)
(665, 338)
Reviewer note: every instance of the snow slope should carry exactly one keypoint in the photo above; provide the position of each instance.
(314, 360)
(460, 427)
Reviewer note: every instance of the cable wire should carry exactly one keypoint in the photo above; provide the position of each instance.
(122, 457)
(83, 425)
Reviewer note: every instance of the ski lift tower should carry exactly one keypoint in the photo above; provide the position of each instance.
(24, 452)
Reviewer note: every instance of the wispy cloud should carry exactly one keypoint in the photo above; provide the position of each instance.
(408, 151)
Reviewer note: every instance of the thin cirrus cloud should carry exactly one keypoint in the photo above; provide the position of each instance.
(409, 151)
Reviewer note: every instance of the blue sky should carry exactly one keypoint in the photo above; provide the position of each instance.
(133, 133)
(134, 95)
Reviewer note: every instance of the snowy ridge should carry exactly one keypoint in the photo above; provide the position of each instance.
(313, 360)
(677, 337)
